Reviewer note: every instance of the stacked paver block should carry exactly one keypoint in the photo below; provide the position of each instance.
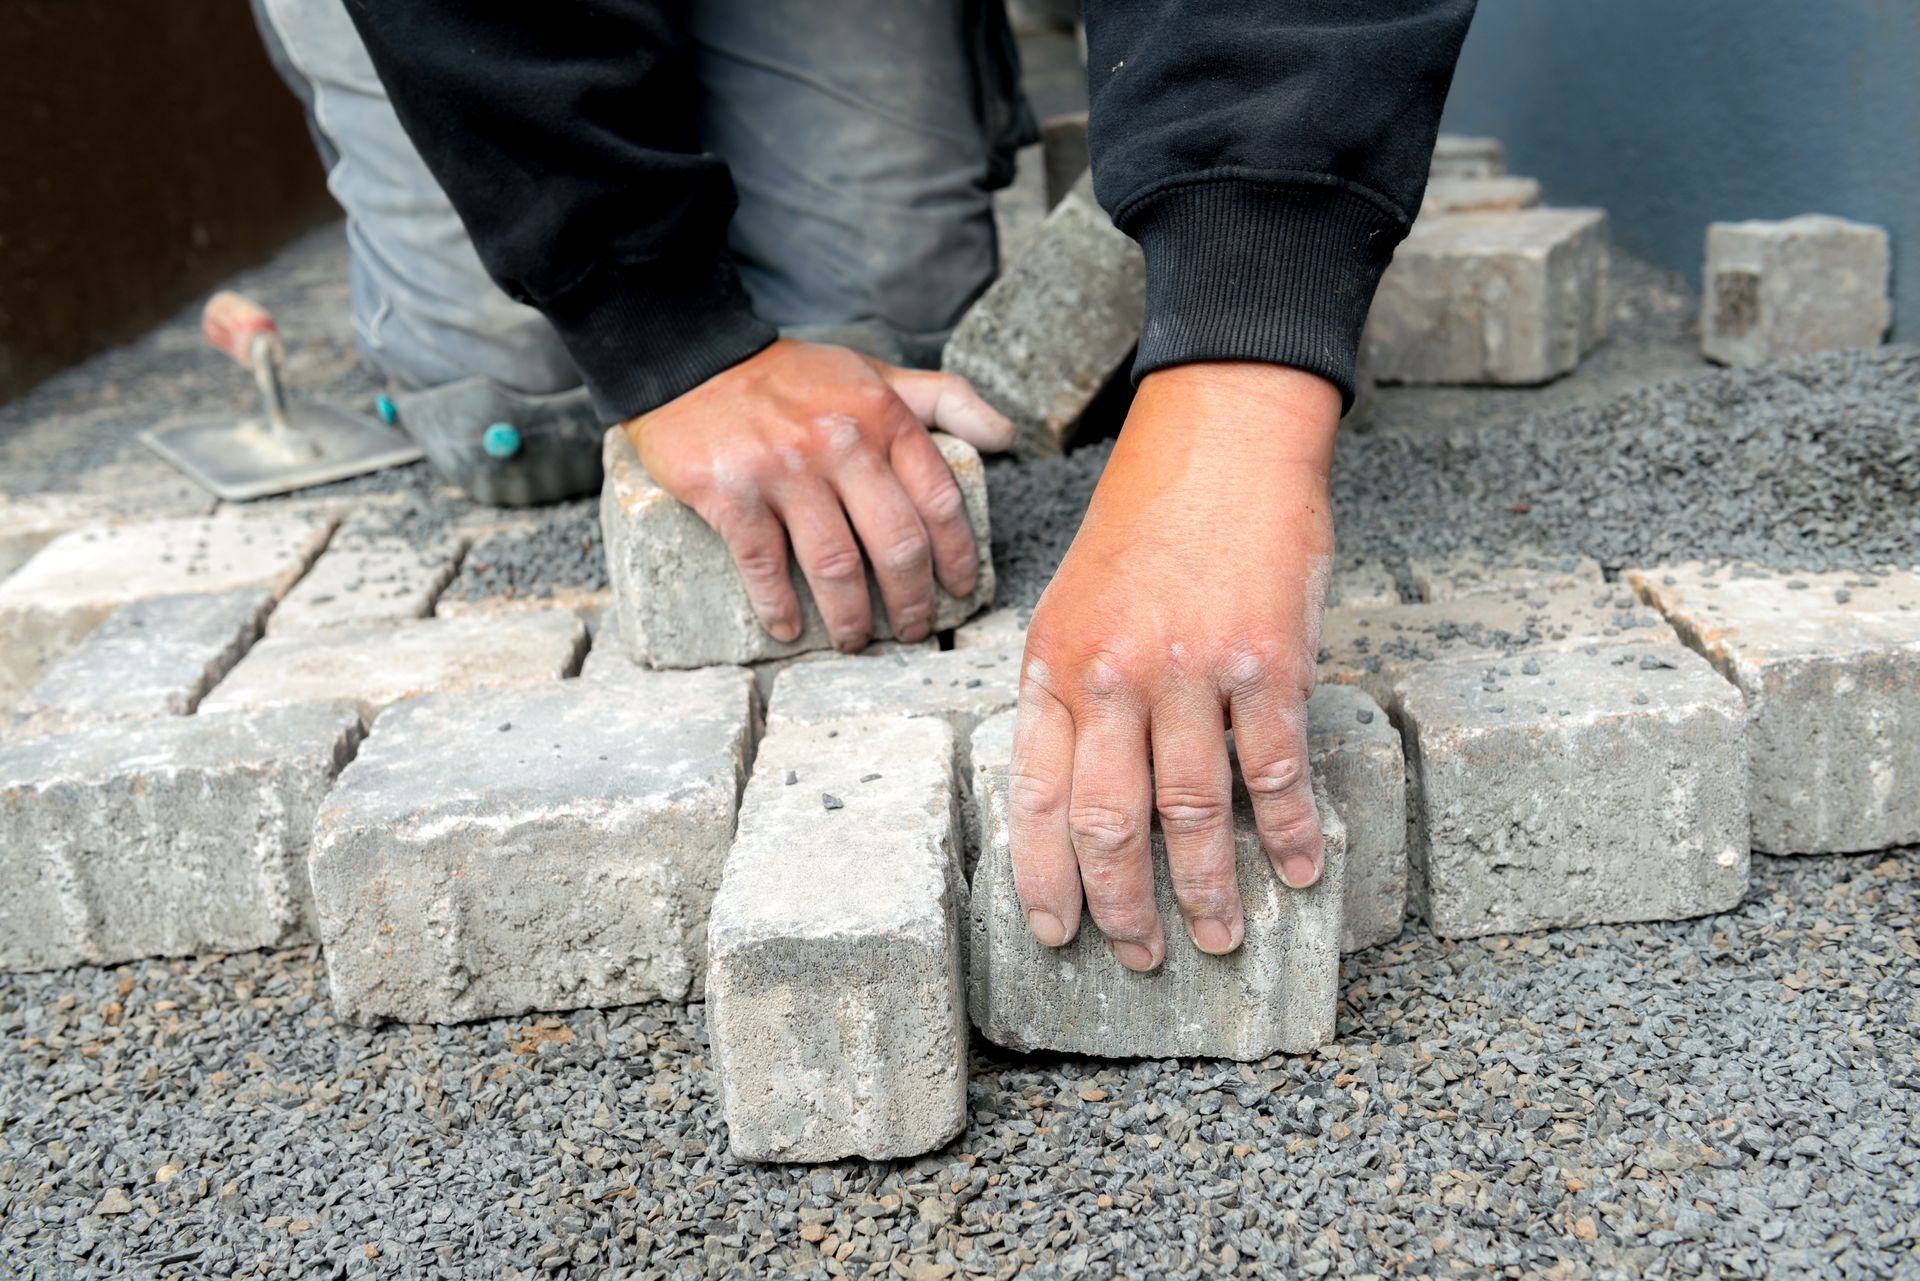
(541, 847)
(680, 599)
(1521, 569)
(1056, 326)
(365, 581)
(1275, 994)
(1354, 752)
(155, 657)
(834, 988)
(73, 583)
(1460, 156)
(1830, 667)
(1479, 195)
(1574, 788)
(164, 838)
(1812, 283)
(375, 667)
(1491, 298)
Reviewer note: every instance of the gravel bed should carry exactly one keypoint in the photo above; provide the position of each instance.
(560, 553)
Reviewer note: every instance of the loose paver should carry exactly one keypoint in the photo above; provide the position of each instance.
(154, 657)
(1055, 328)
(375, 667)
(1274, 994)
(1513, 298)
(163, 838)
(834, 991)
(1482, 194)
(539, 847)
(1812, 283)
(679, 598)
(1830, 666)
(1378, 648)
(1460, 156)
(362, 581)
(75, 581)
(1471, 573)
(1574, 788)
(1354, 752)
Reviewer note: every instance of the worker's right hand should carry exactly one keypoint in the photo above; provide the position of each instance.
(818, 446)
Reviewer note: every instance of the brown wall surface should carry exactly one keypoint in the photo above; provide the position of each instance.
(147, 151)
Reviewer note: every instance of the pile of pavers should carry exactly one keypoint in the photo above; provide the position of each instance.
(246, 730)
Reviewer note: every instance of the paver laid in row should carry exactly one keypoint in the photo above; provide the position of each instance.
(1812, 283)
(539, 847)
(365, 581)
(154, 657)
(680, 599)
(609, 660)
(1056, 326)
(1513, 298)
(1574, 788)
(1830, 667)
(168, 837)
(962, 686)
(75, 581)
(834, 989)
(1275, 994)
(1361, 584)
(1519, 569)
(374, 667)
(29, 522)
(1354, 752)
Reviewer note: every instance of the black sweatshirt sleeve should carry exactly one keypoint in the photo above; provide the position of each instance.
(1268, 157)
(566, 137)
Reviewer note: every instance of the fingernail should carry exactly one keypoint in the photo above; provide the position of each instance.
(1211, 934)
(1047, 928)
(785, 630)
(1132, 955)
(1299, 870)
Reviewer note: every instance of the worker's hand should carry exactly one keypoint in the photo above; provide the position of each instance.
(1191, 596)
(817, 445)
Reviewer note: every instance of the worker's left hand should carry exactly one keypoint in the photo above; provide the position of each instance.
(1192, 594)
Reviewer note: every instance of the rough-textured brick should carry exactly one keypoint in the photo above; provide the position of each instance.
(364, 581)
(1472, 573)
(163, 838)
(375, 667)
(996, 629)
(29, 522)
(154, 657)
(1360, 584)
(1479, 195)
(1830, 667)
(1377, 648)
(541, 847)
(834, 993)
(75, 581)
(1459, 156)
(680, 599)
(1354, 752)
(962, 686)
(1056, 326)
(1812, 283)
(1574, 788)
(1275, 994)
(1502, 298)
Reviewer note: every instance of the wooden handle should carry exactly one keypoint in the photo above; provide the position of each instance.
(233, 322)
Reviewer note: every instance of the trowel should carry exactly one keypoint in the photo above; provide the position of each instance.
(292, 444)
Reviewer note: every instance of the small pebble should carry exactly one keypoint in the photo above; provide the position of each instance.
(792, 778)
(829, 801)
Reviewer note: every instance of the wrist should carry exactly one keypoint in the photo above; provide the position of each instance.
(1263, 414)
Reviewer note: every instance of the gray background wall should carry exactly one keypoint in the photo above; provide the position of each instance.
(1675, 113)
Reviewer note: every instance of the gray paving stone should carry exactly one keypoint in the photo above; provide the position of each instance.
(1830, 667)
(961, 686)
(1460, 156)
(1361, 584)
(366, 581)
(164, 838)
(1812, 283)
(375, 667)
(1354, 751)
(834, 992)
(1474, 573)
(154, 657)
(1514, 298)
(1575, 788)
(1275, 994)
(70, 586)
(996, 629)
(1479, 195)
(29, 522)
(1057, 325)
(679, 597)
(540, 847)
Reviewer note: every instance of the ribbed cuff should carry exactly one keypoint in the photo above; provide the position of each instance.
(642, 338)
(1280, 270)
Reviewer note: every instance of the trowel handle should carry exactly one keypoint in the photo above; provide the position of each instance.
(234, 323)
